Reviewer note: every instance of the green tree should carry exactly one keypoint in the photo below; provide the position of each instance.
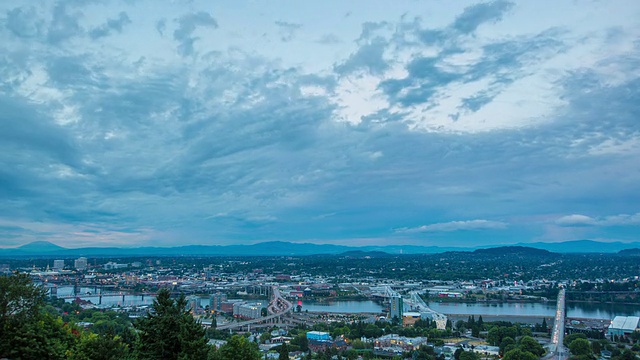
(99, 347)
(544, 327)
(581, 347)
(625, 355)
(46, 338)
(507, 344)
(26, 330)
(301, 341)
(569, 338)
(169, 331)
(468, 355)
(283, 353)
(20, 299)
(493, 336)
(518, 354)
(265, 336)
(237, 348)
(527, 343)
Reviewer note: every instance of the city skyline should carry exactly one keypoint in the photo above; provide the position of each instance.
(134, 123)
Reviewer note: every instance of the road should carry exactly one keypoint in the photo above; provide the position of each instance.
(557, 349)
(277, 307)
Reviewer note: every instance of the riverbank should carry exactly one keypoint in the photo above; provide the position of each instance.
(522, 319)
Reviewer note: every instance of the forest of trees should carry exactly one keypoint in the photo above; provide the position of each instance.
(32, 328)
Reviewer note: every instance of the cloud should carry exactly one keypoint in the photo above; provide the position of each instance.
(369, 57)
(399, 124)
(287, 30)
(456, 226)
(329, 39)
(476, 15)
(612, 220)
(187, 26)
(24, 23)
(116, 24)
(64, 25)
(576, 220)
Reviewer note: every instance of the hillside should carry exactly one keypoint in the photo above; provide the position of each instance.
(514, 250)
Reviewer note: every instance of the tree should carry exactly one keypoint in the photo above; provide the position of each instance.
(518, 354)
(569, 338)
(283, 353)
(46, 338)
(544, 327)
(581, 347)
(493, 336)
(456, 354)
(20, 299)
(169, 331)
(527, 343)
(468, 355)
(237, 348)
(99, 347)
(301, 341)
(26, 330)
(506, 344)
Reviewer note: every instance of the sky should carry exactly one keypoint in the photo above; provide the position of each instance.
(434, 123)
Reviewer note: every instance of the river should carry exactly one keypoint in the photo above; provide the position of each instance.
(574, 310)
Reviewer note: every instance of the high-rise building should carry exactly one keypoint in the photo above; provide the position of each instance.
(58, 264)
(396, 307)
(216, 300)
(80, 263)
(193, 303)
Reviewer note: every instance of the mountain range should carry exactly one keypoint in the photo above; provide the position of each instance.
(280, 248)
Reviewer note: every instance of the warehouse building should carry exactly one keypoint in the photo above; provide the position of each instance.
(623, 325)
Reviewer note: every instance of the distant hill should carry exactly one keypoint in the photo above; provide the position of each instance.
(630, 252)
(361, 254)
(282, 248)
(514, 250)
(40, 246)
(582, 246)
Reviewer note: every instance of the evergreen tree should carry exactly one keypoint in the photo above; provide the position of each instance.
(237, 348)
(170, 332)
(99, 347)
(283, 352)
(26, 330)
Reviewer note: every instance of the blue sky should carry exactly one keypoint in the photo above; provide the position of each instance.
(133, 123)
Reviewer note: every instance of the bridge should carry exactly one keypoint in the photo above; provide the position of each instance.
(422, 307)
(105, 294)
(277, 307)
(417, 303)
(557, 350)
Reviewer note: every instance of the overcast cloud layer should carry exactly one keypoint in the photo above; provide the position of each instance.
(132, 123)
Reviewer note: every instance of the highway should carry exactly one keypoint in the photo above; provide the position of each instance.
(557, 349)
(421, 306)
(277, 307)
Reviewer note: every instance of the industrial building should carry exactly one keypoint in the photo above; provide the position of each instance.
(318, 335)
(623, 325)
